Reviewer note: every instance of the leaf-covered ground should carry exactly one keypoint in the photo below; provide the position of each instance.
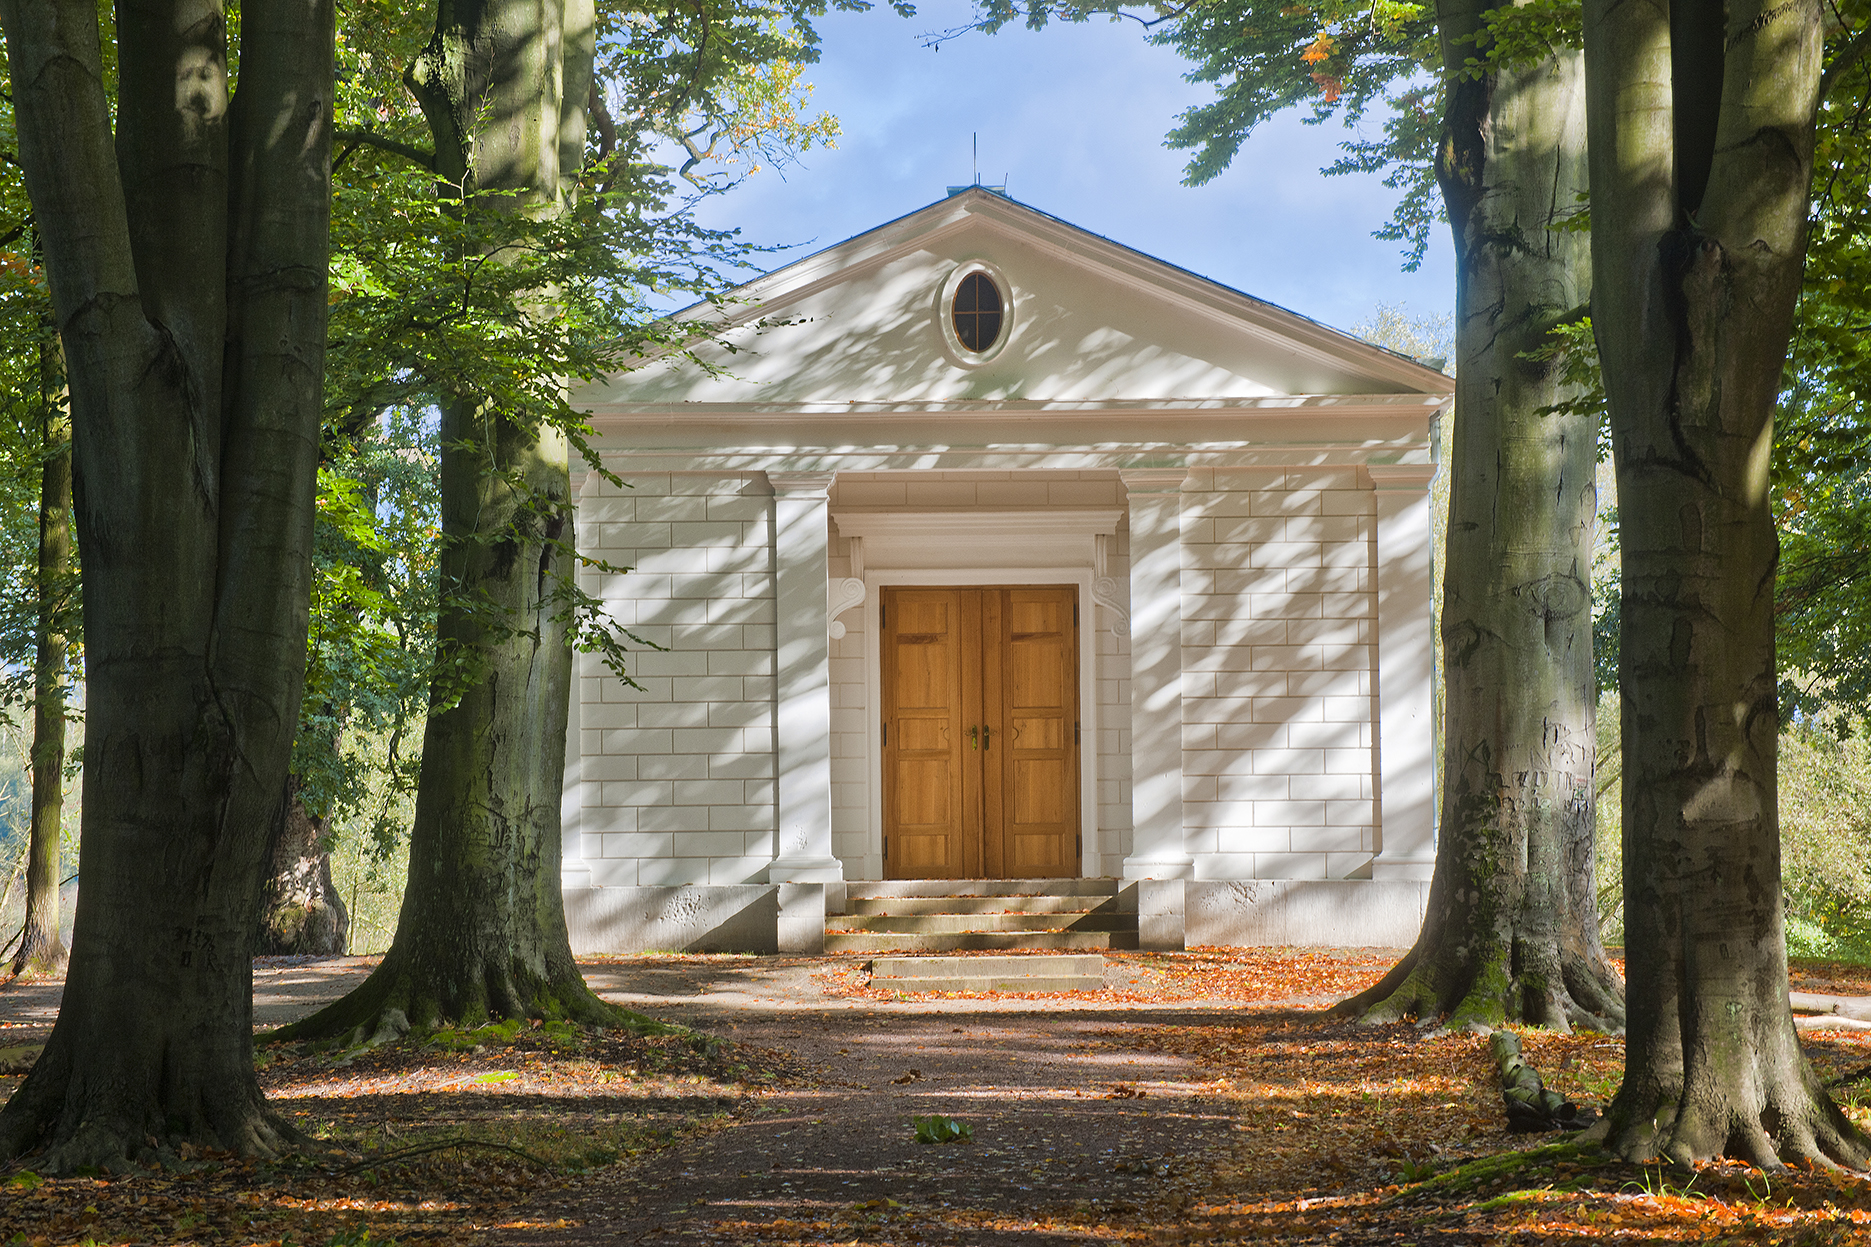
(423, 1140)
(1163, 1116)
(1350, 1135)
(1235, 975)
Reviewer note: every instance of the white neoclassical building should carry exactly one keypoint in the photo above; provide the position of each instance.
(985, 547)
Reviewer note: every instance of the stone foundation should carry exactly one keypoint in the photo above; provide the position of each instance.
(1172, 913)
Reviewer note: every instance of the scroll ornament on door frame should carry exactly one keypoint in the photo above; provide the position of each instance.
(1106, 590)
(842, 595)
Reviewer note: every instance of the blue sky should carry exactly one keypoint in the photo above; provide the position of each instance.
(1073, 117)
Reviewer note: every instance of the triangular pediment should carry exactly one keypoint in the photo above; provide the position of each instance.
(1088, 320)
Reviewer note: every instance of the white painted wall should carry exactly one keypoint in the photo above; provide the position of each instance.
(851, 759)
(1278, 628)
(1113, 697)
(676, 778)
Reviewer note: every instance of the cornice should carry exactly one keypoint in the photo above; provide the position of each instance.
(1414, 406)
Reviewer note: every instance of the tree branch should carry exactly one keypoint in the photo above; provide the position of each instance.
(1852, 53)
(370, 138)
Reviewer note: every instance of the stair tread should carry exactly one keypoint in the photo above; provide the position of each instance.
(881, 941)
(1080, 964)
(960, 983)
(937, 923)
(900, 905)
(982, 887)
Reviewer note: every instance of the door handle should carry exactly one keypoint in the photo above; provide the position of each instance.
(974, 741)
(985, 735)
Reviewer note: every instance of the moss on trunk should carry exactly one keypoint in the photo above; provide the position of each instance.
(301, 913)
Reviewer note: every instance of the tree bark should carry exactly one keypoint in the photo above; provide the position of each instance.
(188, 274)
(1701, 148)
(42, 945)
(1511, 931)
(482, 932)
(301, 913)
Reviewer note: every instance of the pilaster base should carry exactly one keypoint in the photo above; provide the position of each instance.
(800, 868)
(1158, 868)
(1415, 869)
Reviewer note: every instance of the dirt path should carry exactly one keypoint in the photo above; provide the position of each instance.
(1051, 1141)
(1071, 1122)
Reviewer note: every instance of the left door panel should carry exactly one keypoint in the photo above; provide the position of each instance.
(926, 686)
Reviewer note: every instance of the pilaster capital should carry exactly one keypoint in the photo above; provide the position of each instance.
(808, 486)
(1154, 480)
(1400, 477)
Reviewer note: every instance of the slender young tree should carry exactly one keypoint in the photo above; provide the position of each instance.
(184, 234)
(42, 945)
(39, 627)
(1702, 135)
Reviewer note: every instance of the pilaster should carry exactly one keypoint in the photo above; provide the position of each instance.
(803, 709)
(1158, 847)
(1406, 763)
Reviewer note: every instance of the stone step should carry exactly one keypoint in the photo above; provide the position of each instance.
(898, 905)
(1002, 967)
(981, 887)
(989, 974)
(955, 941)
(938, 923)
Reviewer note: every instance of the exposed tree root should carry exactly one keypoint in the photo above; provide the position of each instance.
(117, 1126)
(1788, 1125)
(42, 954)
(1466, 993)
(429, 1149)
(395, 999)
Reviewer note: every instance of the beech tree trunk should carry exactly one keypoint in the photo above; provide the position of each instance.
(1511, 932)
(301, 913)
(42, 944)
(482, 932)
(1701, 148)
(187, 263)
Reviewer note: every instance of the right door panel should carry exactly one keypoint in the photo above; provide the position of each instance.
(1032, 647)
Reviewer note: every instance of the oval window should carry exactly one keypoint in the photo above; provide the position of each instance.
(977, 312)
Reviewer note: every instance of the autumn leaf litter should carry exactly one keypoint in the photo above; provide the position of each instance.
(1342, 1134)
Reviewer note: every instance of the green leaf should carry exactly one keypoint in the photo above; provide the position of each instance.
(939, 1129)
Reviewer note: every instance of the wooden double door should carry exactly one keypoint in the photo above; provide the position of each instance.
(980, 732)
